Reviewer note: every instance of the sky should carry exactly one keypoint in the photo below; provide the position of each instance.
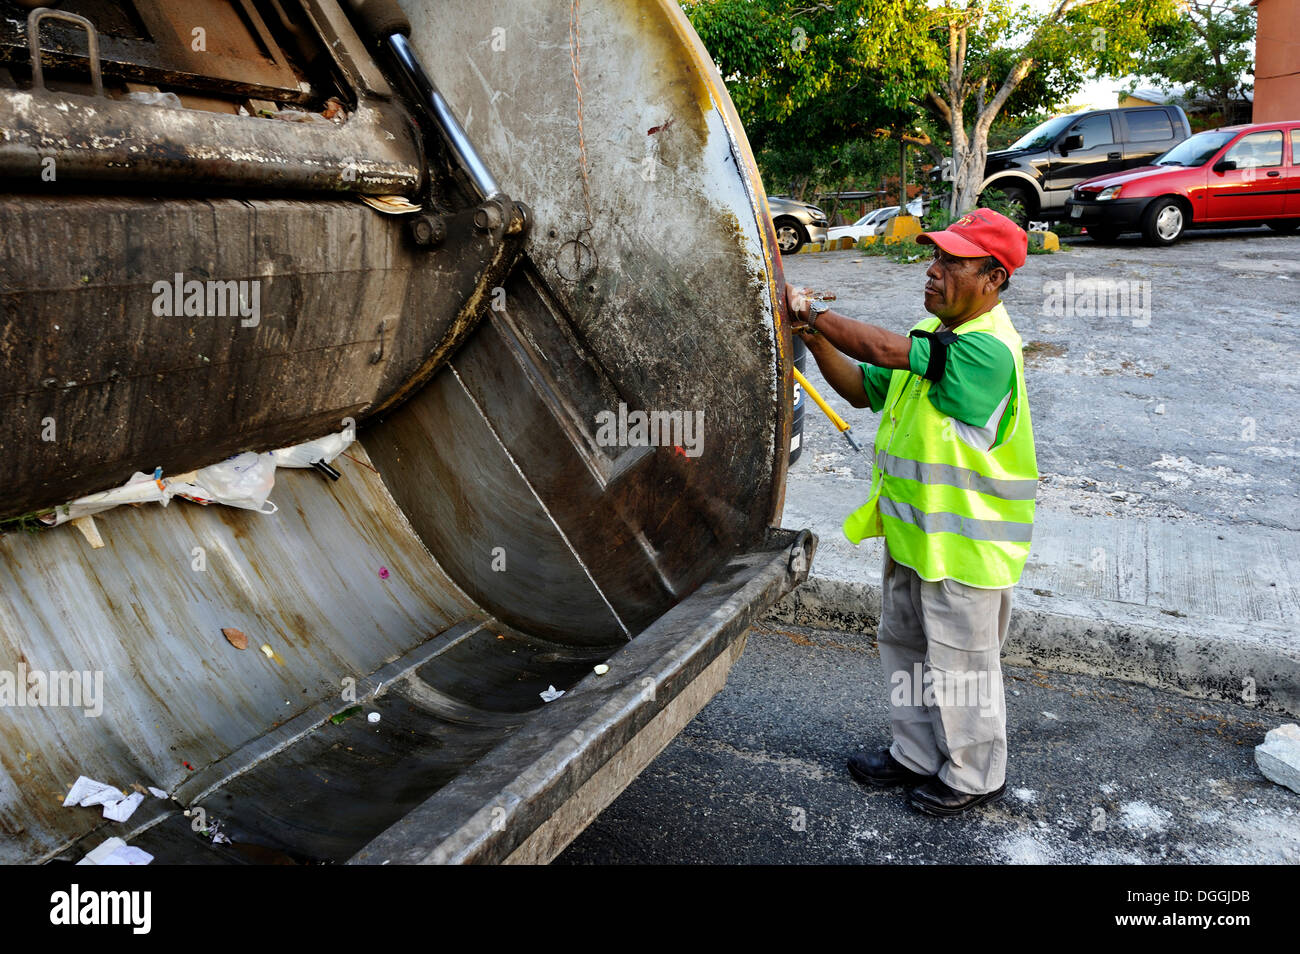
(1099, 94)
(1096, 94)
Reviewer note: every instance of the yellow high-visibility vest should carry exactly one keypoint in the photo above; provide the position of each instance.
(946, 509)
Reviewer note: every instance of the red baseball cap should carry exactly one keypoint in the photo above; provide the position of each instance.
(982, 232)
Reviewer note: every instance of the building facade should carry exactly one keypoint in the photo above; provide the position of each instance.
(1277, 60)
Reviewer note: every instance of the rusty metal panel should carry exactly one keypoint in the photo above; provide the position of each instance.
(152, 41)
(462, 714)
(97, 139)
(306, 581)
(484, 392)
(658, 255)
(350, 316)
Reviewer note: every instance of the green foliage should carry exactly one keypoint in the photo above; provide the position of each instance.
(995, 43)
(997, 200)
(806, 79)
(905, 252)
(28, 522)
(1096, 38)
(938, 218)
(798, 164)
(1035, 57)
(1206, 51)
(819, 84)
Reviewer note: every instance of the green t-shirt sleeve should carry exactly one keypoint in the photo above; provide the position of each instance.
(979, 373)
(875, 381)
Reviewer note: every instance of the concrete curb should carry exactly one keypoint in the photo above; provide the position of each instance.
(1049, 241)
(1206, 659)
(830, 245)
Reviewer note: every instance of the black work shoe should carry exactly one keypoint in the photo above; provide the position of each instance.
(937, 798)
(881, 768)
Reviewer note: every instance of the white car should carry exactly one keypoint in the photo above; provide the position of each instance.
(915, 208)
(864, 226)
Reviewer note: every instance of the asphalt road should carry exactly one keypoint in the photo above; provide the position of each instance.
(1181, 401)
(1183, 397)
(1098, 772)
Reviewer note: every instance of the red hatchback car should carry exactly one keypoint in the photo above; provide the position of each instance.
(1221, 178)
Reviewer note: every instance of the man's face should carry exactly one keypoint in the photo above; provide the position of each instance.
(954, 287)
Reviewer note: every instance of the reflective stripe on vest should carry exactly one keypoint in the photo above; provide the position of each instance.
(946, 509)
(952, 476)
(1007, 531)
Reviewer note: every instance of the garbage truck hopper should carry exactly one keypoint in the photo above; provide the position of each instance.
(501, 274)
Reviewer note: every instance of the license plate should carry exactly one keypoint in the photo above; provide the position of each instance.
(1076, 211)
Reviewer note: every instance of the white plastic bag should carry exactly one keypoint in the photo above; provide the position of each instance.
(141, 488)
(244, 480)
(185, 488)
(324, 448)
(150, 98)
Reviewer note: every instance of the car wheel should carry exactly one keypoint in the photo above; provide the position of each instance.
(1164, 222)
(1103, 233)
(790, 235)
(1284, 226)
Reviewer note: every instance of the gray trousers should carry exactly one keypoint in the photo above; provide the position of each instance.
(940, 648)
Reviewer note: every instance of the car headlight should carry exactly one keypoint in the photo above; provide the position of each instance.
(1110, 192)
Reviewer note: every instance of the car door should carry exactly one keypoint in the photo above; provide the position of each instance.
(1291, 205)
(1100, 153)
(1247, 181)
(1147, 133)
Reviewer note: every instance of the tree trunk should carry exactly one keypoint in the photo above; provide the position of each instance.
(970, 150)
(968, 160)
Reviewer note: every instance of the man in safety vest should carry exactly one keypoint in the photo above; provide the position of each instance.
(952, 492)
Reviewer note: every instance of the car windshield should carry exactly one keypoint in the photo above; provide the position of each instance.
(1197, 150)
(873, 216)
(1042, 135)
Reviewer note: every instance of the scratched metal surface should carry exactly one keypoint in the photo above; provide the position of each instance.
(305, 580)
(673, 298)
(349, 314)
(323, 797)
(497, 452)
(668, 305)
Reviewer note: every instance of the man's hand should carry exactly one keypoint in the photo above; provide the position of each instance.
(796, 303)
(835, 332)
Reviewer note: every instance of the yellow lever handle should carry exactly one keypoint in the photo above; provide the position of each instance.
(843, 426)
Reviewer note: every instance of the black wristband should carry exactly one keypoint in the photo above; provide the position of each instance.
(939, 341)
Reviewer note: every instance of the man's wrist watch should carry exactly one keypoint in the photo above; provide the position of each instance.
(815, 310)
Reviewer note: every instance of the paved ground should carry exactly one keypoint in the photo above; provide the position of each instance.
(1100, 772)
(1166, 525)
(1168, 503)
(1188, 412)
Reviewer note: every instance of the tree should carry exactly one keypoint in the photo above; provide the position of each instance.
(806, 79)
(993, 49)
(1208, 52)
(809, 78)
